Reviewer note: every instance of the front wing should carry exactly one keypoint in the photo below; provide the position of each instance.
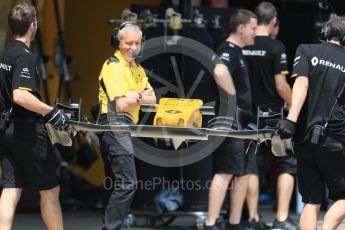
(280, 147)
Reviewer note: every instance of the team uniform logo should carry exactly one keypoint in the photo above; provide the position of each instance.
(295, 61)
(315, 61)
(260, 53)
(25, 73)
(225, 56)
(283, 58)
(5, 67)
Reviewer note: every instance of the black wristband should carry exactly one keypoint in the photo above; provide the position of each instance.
(50, 115)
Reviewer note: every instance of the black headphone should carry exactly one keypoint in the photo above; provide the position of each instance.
(115, 38)
(327, 32)
(324, 32)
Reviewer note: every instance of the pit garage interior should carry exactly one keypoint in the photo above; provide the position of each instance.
(77, 33)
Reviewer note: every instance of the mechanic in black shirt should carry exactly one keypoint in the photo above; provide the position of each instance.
(270, 90)
(26, 156)
(231, 74)
(320, 77)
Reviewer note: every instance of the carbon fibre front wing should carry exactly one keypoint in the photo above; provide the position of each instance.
(280, 147)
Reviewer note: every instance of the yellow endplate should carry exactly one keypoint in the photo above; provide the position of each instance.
(178, 112)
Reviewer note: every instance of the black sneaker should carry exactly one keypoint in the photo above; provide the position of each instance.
(219, 225)
(256, 225)
(287, 224)
(229, 226)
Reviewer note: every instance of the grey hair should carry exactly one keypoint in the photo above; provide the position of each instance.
(133, 26)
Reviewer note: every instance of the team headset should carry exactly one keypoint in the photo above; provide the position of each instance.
(327, 33)
(115, 38)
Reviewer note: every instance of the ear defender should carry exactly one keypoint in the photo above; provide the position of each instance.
(114, 41)
(324, 32)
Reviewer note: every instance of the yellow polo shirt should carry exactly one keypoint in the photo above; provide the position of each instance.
(119, 78)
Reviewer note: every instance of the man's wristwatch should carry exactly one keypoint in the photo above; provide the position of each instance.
(140, 96)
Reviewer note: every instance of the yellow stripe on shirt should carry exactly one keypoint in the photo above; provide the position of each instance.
(222, 65)
(24, 88)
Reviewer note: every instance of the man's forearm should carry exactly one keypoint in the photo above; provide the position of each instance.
(126, 104)
(283, 88)
(148, 99)
(224, 80)
(285, 94)
(28, 101)
(299, 94)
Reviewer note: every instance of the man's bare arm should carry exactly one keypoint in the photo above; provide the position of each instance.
(149, 96)
(223, 79)
(28, 101)
(127, 104)
(283, 88)
(299, 94)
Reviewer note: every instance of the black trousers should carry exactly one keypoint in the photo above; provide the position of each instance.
(121, 180)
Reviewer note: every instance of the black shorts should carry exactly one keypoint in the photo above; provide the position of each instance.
(27, 156)
(319, 166)
(230, 157)
(285, 164)
(251, 158)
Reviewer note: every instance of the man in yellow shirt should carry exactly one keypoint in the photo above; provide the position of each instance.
(125, 88)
